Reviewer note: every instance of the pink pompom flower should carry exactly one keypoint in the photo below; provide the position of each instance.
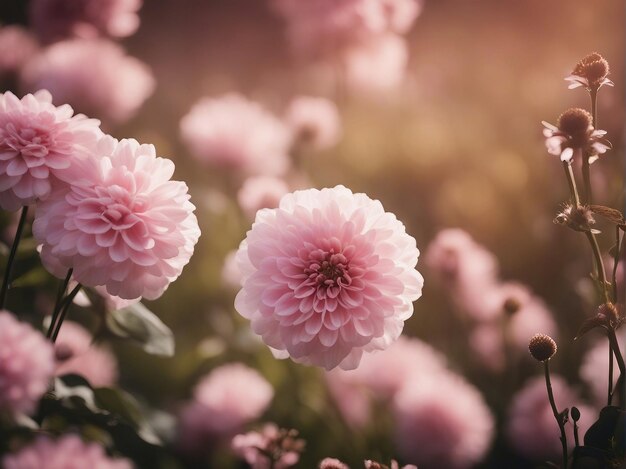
(75, 353)
(94, 76)
(279, 444)
(26, 365)
(17, 45)
(259, 192)
(66, 452)
(442, 421)
(223, 401)
(58, 19)
(121, 223)
(38, 143)
(314, 122)
(328, 275)
(233, 132)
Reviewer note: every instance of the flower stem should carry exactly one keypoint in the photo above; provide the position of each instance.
(59, 303)
(585, 167)
(618, 251)
(571, 182)
(557, 416)
(610, 395)
(621, 365)
(599, 264)
(9, 267)
(66, 304)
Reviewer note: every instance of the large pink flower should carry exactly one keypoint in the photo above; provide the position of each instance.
(76, 354)
(233, 132)
(58, 19)
(38, 142)
(121, 223)
(26, 365)
(442, 422)
(66, 452)
(94, 76)
(328, 275)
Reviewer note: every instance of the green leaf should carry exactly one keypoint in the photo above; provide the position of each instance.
(142, 326)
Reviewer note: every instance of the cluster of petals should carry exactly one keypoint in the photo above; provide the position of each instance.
(95, 76)
(122, 223)
(314, 122)
(566, 145)
(591, 73)
(323, 26)
(38, 143)
(333, 463)
(17, 45)
(75, 354)
(531, 428)
(233, 132)
(59, 19)
(327, 276)
(26, 365)
(259, 192)
(223, 401)
(66, 452)
(442, 421)
(380, 376)
(254, 446)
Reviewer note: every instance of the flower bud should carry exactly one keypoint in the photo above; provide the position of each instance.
(594, 68)
(542, 347)
(576, 123)
(577, 218)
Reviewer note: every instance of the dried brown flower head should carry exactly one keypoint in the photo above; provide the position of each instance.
(591, 72)
(542, 347)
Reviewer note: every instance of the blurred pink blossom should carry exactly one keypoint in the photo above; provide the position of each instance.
(94, 76)
(314, 122)
(66, 452)
(17, 45)
(487, 343)
(231, 275)
(394, 465)
(594, 369)
(224, 401)
(38, 143)
(26, 365)
(254, 446)
(76, 354)
(58, 19)
(236, 133)
(121, 223)
(332, 463)
(532, 429)
(442, 422)
(328, 275)
(259, 192)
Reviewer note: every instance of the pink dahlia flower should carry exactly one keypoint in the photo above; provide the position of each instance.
(58, 19)
(532, 430)
(282, 444)
(17, 45)
(328, 275)
(223, 402)
(38, 143)
(121, 223)
(66, 452)
(26, 365)
(260, 192)
(233, 132)
(314, 122)
(76, 354)
(442, 422)
(94, 76)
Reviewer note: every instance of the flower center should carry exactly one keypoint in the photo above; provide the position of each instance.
(28, 141)
(328, 269)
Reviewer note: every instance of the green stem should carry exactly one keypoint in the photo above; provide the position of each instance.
(66, 305)
(557, 416)
(59, 303)
(9, 267)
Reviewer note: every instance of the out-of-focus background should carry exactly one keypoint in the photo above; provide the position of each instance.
(457, 144)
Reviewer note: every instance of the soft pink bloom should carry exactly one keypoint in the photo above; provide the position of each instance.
(121, 223)
(332, 463)
(314, 122)
(17, 45)
(231, 275)
(76, 354)
(223, 402)
(58, 19)
(328, 275)
(234, 132)
(259, 192)
(394, 465)
(532, 429)
(26, 365)
(38, 143)
(442, 422)
(377, 65)
(487, 343)
(66, 452)
(94, 76)
(594, 369)
(271, 439)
